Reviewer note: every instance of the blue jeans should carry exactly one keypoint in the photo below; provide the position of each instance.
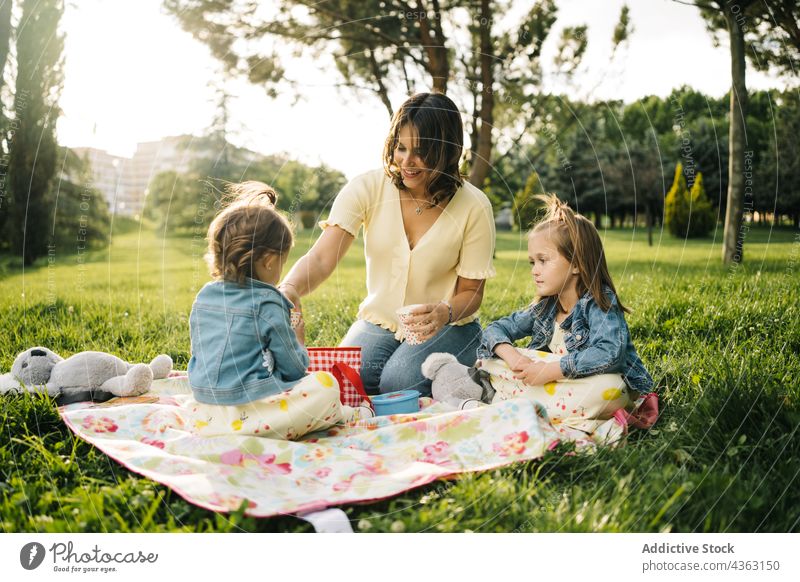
(388, 365)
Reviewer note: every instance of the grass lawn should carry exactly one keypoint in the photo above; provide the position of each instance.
(723, 345)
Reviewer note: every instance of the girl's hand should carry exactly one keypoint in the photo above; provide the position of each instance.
(538, 373)
(513, 358)
(428, 319)
(516, 361)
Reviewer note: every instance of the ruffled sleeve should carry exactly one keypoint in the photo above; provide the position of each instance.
(350, 208)
(477, 249)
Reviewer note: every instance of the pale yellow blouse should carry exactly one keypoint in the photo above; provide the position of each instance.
(459, 244)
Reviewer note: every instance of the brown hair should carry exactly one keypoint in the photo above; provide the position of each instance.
(440, 134)
(578, 241)
(248, 228)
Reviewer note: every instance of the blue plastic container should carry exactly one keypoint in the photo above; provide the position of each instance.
(401, 402)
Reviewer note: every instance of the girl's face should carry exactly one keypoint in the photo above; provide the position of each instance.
(269, 268)
(408, 159)
(552, 272)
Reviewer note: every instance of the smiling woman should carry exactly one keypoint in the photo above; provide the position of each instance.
(428, 240)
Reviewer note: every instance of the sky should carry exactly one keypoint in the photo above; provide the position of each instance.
(132, 75)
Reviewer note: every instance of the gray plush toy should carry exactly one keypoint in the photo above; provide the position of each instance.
(455, 384)
(84, 376)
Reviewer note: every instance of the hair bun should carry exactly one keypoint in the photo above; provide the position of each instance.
(254, 191)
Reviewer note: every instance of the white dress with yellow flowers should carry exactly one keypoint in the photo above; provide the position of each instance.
(582, 404)
(311, 405)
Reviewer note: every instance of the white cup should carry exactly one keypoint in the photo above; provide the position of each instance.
(410, 336)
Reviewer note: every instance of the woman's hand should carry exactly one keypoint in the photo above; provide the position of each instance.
(290, 292)
(426, 320)
(300, 331)
(298, 324)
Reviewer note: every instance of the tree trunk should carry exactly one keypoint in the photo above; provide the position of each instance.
(649, 218)
(733, 237)
(481, 164)
(5, 35)
(474, 128)
(433, 44)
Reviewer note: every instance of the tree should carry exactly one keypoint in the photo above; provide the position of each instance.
(772, 31)
(676, 205)
(702, 216)
(636, 174)
(779, 169)
(5, 41)
(175, 201)
(81, 217)
(32, 159)
(688, 213)
(5, 45)
(187, 202)
(385, 47)
(526, 208)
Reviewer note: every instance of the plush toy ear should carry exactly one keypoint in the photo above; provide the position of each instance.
(434, 362)
(10, 384)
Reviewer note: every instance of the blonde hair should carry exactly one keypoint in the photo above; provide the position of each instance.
(578, 241)
(248, 228)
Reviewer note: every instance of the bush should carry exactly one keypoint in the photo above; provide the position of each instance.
(308, 219)
(702, 213)
(688, 214)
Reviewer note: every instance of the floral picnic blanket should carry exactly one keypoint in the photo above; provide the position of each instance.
(368, 460)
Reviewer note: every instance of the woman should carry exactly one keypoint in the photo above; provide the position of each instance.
(428, 239)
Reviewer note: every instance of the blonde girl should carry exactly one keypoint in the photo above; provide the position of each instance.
(580, 362)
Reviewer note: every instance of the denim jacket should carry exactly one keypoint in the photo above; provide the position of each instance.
(243, 346)
(597, 342)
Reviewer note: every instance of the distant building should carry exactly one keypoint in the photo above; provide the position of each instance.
(124, 181)
(107, 177)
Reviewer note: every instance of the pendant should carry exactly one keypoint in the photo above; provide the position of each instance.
(419, 210)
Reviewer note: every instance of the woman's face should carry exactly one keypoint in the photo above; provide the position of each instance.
(408, 159)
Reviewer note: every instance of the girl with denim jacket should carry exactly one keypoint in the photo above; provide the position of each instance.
(590, 368)
(248, 365)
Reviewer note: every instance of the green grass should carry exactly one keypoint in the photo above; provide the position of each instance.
(722, 343)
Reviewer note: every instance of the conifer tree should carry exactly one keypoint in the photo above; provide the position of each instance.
(702, 217)
(32, 159)
(676, 204)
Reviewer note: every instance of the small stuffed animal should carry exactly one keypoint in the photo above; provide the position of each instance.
(455, 384)
(84, 376)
